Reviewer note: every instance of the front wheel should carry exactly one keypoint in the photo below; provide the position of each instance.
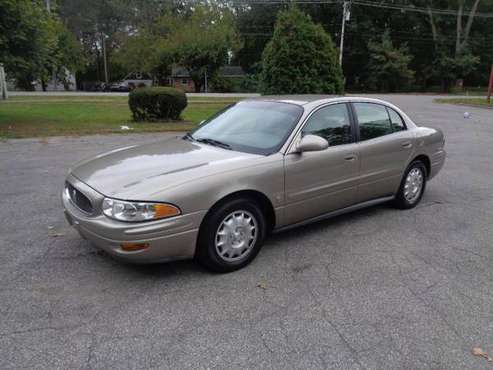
(231, 236)
(412, 186)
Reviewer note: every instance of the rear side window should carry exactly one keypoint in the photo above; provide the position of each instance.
(332, 123)
(396, 120)
(373, 120)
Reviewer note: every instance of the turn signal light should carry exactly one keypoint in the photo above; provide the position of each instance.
(132, 247)
(165, 210)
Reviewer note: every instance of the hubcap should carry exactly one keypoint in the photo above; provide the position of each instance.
(236, 236)
(413, 185)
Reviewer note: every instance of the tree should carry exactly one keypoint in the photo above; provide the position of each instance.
(68, 55)
(27, 40)
(457, 62)
(146, 52)
(34, 44)
(149, 48)
(448, 68)
(255, 24)
(200, 40)
(388, 65)
(203, 41)
(100, 25)
(300, 58)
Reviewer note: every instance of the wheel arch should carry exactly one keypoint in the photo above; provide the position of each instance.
(426, 161)
(257, 196)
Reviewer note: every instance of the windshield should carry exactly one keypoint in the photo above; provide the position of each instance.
(258, 127)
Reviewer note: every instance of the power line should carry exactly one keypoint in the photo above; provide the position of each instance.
(382, 5)
(416, 9)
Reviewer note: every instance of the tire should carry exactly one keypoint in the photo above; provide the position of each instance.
(415, 173)
(231, 235)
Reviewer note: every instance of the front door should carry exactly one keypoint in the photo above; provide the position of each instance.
(323, 181)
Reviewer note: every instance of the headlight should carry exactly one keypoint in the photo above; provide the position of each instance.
(138, 211)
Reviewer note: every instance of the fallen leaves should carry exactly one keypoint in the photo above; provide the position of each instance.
(262, 286)
(476, 351)
(53, 233)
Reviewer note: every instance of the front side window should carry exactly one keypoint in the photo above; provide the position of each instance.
(332, 123)
(396, 120)
(259, 127)
(373, 120)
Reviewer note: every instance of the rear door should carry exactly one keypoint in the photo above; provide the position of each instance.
(385, 147)
(326, 180)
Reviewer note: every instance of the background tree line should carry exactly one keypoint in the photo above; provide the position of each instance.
(389, 45)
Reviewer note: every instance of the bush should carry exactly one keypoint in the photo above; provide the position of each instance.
(300, 58)
(156, 103)
(221, 84)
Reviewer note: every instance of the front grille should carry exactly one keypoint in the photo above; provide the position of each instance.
(79, 199)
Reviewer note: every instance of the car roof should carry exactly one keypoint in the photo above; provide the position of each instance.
(315, 100)
(311, 102)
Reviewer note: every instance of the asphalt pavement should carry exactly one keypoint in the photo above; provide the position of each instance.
(377, 289)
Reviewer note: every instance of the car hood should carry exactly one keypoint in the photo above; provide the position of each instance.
(139, 172)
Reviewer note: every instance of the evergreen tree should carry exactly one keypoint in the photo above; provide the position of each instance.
(300, 58)
(388, 65)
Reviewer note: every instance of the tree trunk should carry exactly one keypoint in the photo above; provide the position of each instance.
(197, 81)
(458, 29)
(433, 27)
(470, 18)
(462, 36)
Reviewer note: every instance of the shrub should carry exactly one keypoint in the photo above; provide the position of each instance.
(156, 103)
(300, 58)
(221, 84)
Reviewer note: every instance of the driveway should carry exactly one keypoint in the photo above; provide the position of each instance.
(376, 289)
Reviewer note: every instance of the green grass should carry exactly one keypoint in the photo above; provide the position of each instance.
(479, 102)
(40, 116)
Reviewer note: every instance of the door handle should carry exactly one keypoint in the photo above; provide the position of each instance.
(350, 157)
(407, 144)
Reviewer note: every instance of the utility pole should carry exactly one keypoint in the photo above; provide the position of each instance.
(346, 14)
(53, 74)
(105, 63)
(205, 75)
(3, 84)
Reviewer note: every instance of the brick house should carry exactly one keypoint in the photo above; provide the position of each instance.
(180, 79)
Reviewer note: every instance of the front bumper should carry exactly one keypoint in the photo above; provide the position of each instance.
(168, 239)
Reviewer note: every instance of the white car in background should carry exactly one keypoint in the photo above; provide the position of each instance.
(130, 82)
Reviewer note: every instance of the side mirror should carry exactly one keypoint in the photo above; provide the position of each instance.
(312, 143)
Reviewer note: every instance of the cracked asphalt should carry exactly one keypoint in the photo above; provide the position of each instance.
(376, 289)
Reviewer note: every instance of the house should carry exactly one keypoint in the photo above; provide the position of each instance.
(180, 77)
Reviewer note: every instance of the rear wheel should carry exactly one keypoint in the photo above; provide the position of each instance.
(231, 235)
(412, 186)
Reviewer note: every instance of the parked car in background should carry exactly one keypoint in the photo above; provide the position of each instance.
(130, 82)
(258, 166)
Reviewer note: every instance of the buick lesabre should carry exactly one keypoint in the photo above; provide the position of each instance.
(258, 166)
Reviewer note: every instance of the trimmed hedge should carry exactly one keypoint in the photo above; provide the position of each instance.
(156, 103)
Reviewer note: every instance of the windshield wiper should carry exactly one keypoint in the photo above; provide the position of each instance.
(188, 136)
(214, 142)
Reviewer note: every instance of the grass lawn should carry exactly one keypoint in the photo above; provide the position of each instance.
(40, 116)
(479, 102)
